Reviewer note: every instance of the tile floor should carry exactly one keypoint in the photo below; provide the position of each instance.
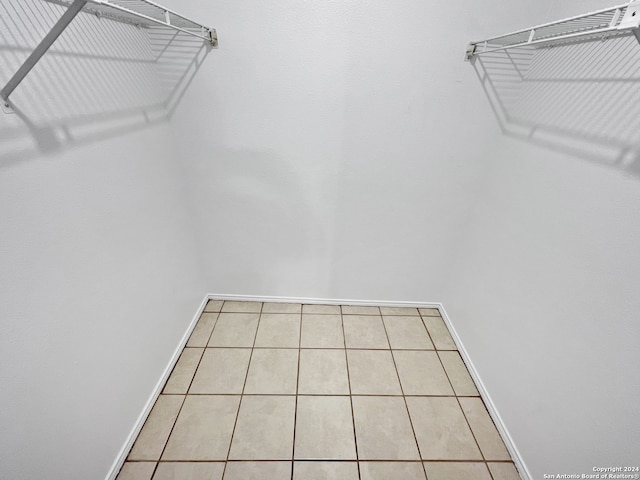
(276, 391)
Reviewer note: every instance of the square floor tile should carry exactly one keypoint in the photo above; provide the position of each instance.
(429, 312)
(484, 430)
(235, 330)
(189, 471)
(203, 429)
(391, 471)
(335, 309)
(322, 331)
(364, 331)
(221, 370)
(324, 428)
(281, 308)
(325, 471)
(279, 330)
(136, 471)
(407, 333)
(323, 372)
(439, 333)
(359, 310)
(184, 370)
(383, 429)
(201, 333)
(441, 429)
(503, 471)
(213, 306)
(458, 374)
(399, 311)
(241, 307)
(258, 471)
(264, 430)
(372, 372)
(156, 429)
(421, 373)
(272, 371)
(456, 471)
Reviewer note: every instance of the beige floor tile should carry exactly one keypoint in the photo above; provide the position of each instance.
(222, 370)
(372, 372)
(136, 471)
(321, 309)
(458, 374)
(359, 310)
(189, 471)
(383, 430)
(391, 471)
(503, 471)
(484, 430)
(155, 432)
(407, 332)
(272, 371)
(281, 308)
(182, 374)
(421, 373)
(322, 331)
(398, 311)
(235, 330)
(201, 333)
(258, 471)
(203, 429)
(241, 307)
(264, 430)
(439, 333)
(324, 429)
(456, 471)
(325, 471)
(441, 429)
(279, 330)
(323, 372)
(213, 306)
(429, 312)
(364, 331)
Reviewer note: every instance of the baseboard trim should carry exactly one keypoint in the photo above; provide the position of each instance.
(524, 472)
(323, 301)
(124, 451)
(493, 412)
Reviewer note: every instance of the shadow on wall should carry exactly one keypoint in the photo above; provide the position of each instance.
(580, 98)
(100, 79)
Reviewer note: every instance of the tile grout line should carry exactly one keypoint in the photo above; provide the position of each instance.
(404, 399)
(246, 375)
(353, 416)
(295, 411)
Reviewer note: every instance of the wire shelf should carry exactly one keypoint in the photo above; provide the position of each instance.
(601, 24)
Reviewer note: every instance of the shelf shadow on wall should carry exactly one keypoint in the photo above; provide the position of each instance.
(580, 98)
(100, 79)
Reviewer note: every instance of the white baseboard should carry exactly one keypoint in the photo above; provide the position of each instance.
(524, 472)
(493, 412)
(321, 301)
(124, 451)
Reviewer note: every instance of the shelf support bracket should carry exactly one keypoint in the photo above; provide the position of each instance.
(39, 51)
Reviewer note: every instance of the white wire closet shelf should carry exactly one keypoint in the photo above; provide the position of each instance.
(601, 24)
(139, 13)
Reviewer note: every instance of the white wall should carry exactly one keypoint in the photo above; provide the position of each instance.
(334, 147)
(99, 277)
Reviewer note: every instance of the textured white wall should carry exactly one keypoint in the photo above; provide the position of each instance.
(99, 277)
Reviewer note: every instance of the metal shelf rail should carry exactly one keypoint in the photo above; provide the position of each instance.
(601, 24)
(141, 13)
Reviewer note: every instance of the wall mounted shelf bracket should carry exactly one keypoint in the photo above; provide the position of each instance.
(601, 24)
(141, 13)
